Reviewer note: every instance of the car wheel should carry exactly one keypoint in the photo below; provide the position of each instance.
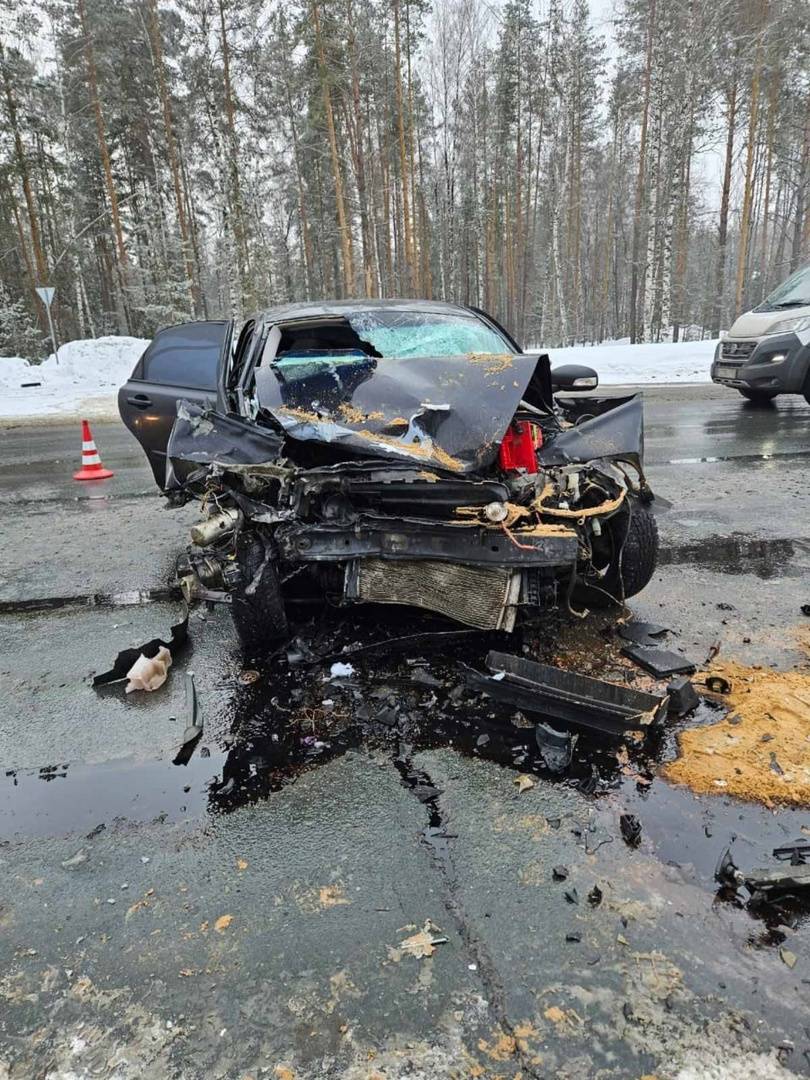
(806, 390)
(759, 397)
(624, 559)
(257, 605)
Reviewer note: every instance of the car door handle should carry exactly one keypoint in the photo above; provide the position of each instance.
(140, 401)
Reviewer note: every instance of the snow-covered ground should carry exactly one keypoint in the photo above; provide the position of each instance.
(89, 373)
(620, 362)
(85, 381)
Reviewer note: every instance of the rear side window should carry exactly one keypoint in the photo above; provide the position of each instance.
(186, 355)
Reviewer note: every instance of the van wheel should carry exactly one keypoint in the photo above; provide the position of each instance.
(257, 606)
(624, 559)
(759, 397)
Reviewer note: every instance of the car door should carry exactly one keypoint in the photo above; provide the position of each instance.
(180, 362)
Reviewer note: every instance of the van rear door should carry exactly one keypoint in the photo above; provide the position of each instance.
(180, 362)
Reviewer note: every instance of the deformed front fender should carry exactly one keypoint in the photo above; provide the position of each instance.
(614, 435)
(200, 436)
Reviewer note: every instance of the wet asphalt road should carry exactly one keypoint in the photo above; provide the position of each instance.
(157, 924)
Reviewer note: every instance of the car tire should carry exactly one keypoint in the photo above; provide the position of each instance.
(629, 548)
(257, 605)
(758, 397)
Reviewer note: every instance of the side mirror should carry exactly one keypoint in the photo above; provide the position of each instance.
(573, 377)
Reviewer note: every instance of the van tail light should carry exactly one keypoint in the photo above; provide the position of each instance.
(520, 443)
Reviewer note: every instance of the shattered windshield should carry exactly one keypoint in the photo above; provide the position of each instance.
(425, 333)
(385, 333)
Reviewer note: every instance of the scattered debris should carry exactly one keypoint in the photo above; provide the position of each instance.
(149, 672)
(524, 783)
(716, 684)
(556, 747)
(566, 697)
(795, 853)
(778, 879)
(150, 649)
(340, 671)
(249, 676)
(769, 714)
(658, 662)
(642, 633)
(421, 944)
(726, 872)
(559, 873)
(573, 936)
(805, 609)
(595, 896)
(787, 957)
(76, 860)
(194, 725)
(683, 698)
(631, 829)
(762, 883)
(223, 922)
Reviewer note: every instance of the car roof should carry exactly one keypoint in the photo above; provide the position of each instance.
(319, 308)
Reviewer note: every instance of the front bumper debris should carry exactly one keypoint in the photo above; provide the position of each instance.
(566, 697)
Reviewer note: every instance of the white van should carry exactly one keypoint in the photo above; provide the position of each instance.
(767, 350)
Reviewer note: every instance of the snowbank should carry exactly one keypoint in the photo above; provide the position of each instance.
(86, 379)
(619, 362)
(89, 373)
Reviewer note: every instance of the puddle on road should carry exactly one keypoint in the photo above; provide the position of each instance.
(741, 554)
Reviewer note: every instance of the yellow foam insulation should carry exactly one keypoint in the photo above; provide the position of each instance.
(761, 750)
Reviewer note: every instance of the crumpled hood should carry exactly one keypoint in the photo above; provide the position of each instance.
(448, 412)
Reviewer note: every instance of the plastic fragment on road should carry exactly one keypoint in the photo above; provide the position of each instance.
(127, 657)
(658, 662)
(630, 828)
(149, 672)
(556, 747)
(340, 671)
(683, 698)
(766, 881)
(642, 633)
(194, 725)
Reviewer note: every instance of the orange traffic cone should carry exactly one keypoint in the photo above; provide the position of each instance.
(91, 469)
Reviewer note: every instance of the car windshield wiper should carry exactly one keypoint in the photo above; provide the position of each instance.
(793, 303)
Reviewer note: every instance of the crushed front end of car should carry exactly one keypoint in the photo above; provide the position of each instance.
(455, 484)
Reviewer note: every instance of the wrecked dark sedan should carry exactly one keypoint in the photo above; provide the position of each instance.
(391, 452)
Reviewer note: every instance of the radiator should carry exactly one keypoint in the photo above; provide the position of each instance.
(480, 596)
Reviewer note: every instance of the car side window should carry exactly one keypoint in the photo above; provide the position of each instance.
(185, 355)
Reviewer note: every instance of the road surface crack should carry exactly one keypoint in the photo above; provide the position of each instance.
(438, 841)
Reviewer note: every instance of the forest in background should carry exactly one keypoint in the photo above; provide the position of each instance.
(163, 161)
